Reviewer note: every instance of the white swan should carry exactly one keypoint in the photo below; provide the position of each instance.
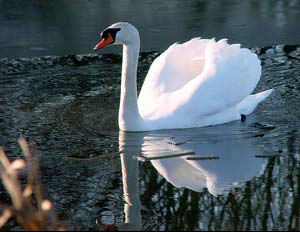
(198, 83)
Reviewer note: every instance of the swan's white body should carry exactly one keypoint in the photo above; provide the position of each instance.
(198, 83)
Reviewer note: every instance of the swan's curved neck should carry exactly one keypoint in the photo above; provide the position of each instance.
(129, 117)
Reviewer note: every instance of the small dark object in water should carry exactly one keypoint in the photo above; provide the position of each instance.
(202, 158)
(106, 227)
(178, 143)
(163, 156)
(266, 156)
(243, 118)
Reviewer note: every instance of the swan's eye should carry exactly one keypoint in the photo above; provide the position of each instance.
(104, 35)
(110, 32)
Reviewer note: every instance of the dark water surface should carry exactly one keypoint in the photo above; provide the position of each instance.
(60, 27)
(69, 106)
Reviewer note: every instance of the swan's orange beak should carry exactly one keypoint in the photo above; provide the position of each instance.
(104, 42)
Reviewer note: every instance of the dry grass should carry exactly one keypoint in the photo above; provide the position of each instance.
(34, 218)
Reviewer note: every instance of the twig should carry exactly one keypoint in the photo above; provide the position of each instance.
(266, 156)
(164, 156)
(27, 215)
(5, 216)
(202, 158)
(178, 143)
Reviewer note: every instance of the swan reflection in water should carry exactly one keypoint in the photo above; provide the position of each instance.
(179, 156)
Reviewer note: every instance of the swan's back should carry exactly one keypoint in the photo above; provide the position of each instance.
(179, 64)
(197, 79)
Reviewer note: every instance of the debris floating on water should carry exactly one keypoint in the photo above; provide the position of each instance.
(163, 156)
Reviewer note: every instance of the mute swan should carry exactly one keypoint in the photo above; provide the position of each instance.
(198, 83)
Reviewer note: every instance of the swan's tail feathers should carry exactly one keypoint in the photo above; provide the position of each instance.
(249, 103)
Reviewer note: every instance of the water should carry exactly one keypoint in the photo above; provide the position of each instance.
(69, 106)
(38, 28)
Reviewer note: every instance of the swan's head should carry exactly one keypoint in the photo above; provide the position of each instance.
(119, 33)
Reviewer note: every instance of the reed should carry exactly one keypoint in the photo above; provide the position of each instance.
(31, 210)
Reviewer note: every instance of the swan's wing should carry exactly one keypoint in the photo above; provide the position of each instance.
(249, 103)
(179, 64)
(230, 75)
(180, 173)
(170, 71)
(199, 77)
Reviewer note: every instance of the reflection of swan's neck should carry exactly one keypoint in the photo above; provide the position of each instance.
(130, 144)
(132, 206)
(129, 117)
